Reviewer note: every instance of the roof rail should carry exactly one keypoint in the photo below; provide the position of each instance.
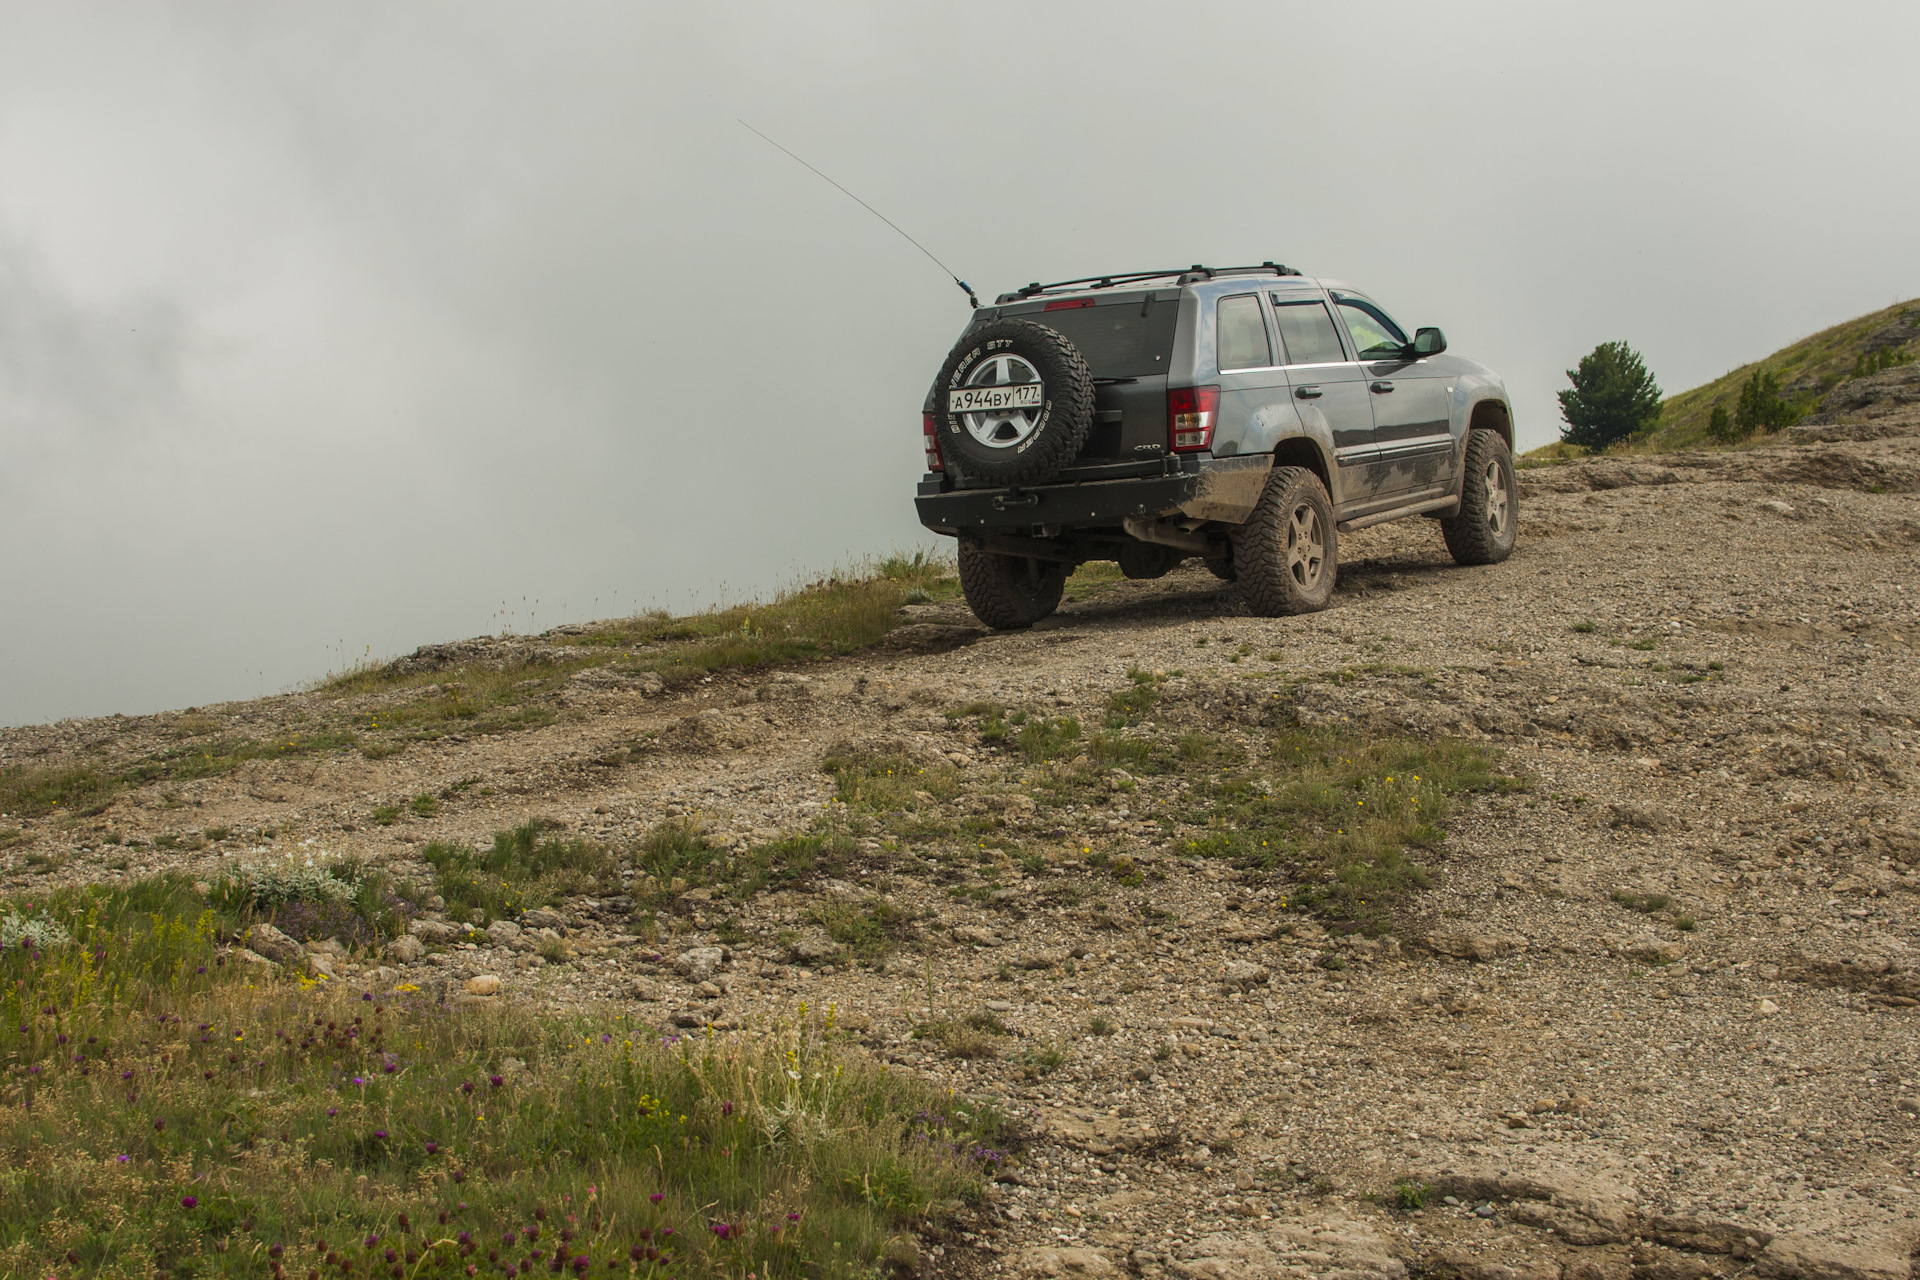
(1185, 275)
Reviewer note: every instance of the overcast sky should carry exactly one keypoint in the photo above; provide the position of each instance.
(335, 329)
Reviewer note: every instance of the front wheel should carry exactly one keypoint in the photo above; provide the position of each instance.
(1010, 592)
(1286, 555)
(1488, 522)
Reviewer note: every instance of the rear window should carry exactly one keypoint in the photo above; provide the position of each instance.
(1129, 339)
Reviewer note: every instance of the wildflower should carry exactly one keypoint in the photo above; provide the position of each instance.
(657, 1196)
(466, 1086)
(495, 1081)
(122, 1158)
(188, 1202)
(381, 1134)
(333, 1111)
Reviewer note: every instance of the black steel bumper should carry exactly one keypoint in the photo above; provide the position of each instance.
(1205, 488)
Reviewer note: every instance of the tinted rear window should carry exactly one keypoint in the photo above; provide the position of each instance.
(1115, 338)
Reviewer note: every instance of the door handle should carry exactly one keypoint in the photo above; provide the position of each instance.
(1307, 393)
(1381, 388)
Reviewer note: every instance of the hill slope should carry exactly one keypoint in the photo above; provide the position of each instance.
(1811, 369)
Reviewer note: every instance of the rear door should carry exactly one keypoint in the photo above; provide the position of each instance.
(1412, 408)
(1330, 391)
(1251, 379)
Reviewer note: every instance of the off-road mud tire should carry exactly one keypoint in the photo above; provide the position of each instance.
(1274, 582)
(1488, 522)
(1221, 565)
(1066, 414)
(1010, 593)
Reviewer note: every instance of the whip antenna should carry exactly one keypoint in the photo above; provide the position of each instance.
(972, 300)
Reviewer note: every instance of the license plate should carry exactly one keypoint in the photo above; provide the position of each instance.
(1012, 395)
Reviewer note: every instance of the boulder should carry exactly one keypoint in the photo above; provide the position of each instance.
(435, 933)
(482, 984)
(503, 933)
(273, 944)
(1242, 975)
(405, 950)
(543, 918)
(699, 964)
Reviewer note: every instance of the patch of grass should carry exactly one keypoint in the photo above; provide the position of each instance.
(1584, 628)
(173, 1113)
(868, 930)
(1040, 1060)
(991, 715)
(386, 814)
(1684, 924)
(529, 866)
(1101, 1025)
(886, 780)
(957, 1039)
(1093, 578)
(1042, 739)
(424, 806)
(86, 790)
(1131, 705)
(1644, 903)
(1410, 1196)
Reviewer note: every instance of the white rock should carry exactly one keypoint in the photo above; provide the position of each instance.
(482, 984)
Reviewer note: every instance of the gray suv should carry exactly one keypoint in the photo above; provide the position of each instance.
(1246, 416)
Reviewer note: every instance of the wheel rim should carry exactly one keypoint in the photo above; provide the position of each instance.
(1498, 499)
(1009, 429)
(1306, 546)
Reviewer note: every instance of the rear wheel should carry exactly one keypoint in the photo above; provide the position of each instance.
(1010, 592)
(1488, 523)
(1286, 555)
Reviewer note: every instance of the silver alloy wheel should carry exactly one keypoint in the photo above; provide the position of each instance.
(1008, 428)
(1497, 502)
(1306, 546)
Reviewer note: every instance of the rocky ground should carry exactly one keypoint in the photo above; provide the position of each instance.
(1655, 1018)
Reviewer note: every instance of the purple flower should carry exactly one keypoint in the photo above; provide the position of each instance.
(582, 1262)
(122, 1159)
(333, 1111)
(390, 1066)
(495, 1081)
(367, 996)
(126, 1075)
(433, 1148)
(726, 1108)
(381, 1134)
(725, 1230)
(201, 969)
(657, 1196)
(360, 1080)
(793, 1217)
(466, 1086)
(188, 1202)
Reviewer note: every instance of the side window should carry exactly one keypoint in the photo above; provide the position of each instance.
(1307, 331)
(1374, 336)
(1243, 334)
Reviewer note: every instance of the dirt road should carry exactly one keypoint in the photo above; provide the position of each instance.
(1655, 1016)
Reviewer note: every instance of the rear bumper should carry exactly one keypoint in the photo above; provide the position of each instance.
(1222, 489)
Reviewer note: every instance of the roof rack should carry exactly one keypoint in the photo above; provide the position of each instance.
(1184, 275)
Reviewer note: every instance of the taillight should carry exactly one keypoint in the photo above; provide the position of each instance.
(933, 443)
(1191, 412)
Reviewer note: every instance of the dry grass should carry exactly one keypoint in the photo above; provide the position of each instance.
(162, 1114)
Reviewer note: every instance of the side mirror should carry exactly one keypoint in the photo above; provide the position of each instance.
(1429, 342)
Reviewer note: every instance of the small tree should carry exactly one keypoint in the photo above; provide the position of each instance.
(1720, 425)
(1761, 407)
(1612, 397)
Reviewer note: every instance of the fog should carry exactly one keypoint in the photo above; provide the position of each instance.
(331, 330)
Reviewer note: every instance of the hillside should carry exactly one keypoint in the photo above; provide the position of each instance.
(1552, 919)
(1857, 371)
(1813, 371)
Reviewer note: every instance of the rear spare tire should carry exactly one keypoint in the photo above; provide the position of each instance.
(1013, 403)
(1286, 554)
(1010, 592)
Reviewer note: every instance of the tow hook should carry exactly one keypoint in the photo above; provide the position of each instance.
(1001, 501)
